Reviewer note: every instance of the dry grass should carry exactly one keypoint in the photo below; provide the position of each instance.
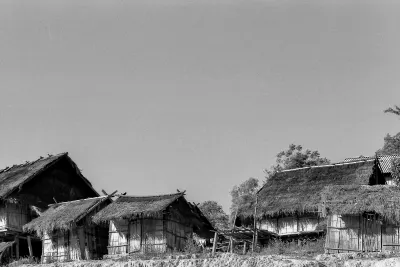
(21, 261)
(306, 249)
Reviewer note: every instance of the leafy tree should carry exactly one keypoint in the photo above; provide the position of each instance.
(391, 145)
(395, 110)
(215, 214)
(243, 197)
(295, 157)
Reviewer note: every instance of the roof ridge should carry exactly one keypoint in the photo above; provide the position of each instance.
(6, 169)
(328, 165)
(76, 200)
(164, 195)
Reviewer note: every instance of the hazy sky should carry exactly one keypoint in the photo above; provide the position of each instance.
(149, 96)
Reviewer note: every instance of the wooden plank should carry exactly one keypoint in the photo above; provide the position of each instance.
(81, 237)
(344, 249)
(17, 247)
(214, 244)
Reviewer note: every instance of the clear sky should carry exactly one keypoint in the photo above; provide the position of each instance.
(150, 96)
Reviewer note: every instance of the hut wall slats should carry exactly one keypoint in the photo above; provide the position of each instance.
(289, 225)
(74, 249)
(49, 248)
(66, 245)
(3, 218)
(13, 216)
(135, 230)
(118, 237)
(390, 236)
(269, 225)
(307, 224)
(153, 235)
(177, 232)
(359, 233)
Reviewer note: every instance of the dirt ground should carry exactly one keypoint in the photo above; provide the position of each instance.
(234, 260)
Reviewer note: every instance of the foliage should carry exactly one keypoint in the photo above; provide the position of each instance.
(244, 196)
(191, 246)
(215, 214)
(295, 157)
(395, 110)
(391, 145)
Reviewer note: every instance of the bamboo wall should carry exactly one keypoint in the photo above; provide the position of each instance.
(360, 233)
(76, 244)
(147, 235)
(290, 225)
(13, 216)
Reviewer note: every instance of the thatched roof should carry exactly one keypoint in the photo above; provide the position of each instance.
(62, 216)
(385, 161)
(298, 190)
(354, 199)
(14, 177)
(126, 207)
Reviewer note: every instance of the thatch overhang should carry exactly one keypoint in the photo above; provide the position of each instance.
(130, 207)
(13, 178)
(62, 216)
(298, 191)
(126, 207)
(356, 200)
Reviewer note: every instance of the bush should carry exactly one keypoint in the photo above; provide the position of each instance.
(292, 248)
(191, 246)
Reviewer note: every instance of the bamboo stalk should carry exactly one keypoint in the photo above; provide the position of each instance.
(214, 244)
(255, 226)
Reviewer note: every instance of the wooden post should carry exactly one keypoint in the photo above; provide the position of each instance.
(28, 238)
(244, 247)
(231, 244)
(255, 226)
(17, 247)
(214, 244)
(128, 235)
(81, 236)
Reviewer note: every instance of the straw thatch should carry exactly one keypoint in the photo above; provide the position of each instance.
(385, 161)
(14, 177)
(62, 216)
(354, 200)
(298, 191)
(126, 207)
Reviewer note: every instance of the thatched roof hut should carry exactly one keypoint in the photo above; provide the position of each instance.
(152, 223)
(355, 200)
(298, 191)
(128, 207)
(13, 178)
(63, 216)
